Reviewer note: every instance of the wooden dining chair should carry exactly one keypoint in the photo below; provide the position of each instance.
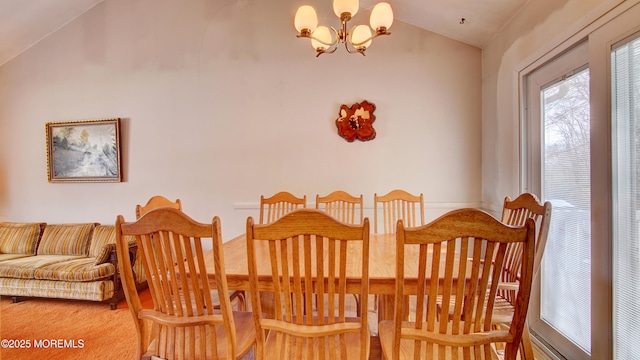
(156, 202)
(182, 323)
(346, 208)
(342, 206)
(307, 251)
(515, 213)
(153, 203)
(528, 206)
(460, 254)
(237, 296)
(273, 208)
(397, 205)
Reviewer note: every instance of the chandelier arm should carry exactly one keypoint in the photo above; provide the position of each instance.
(369, 38)
(354, 50)
(302, 35)
(320, 52)
(336, 32)
(322, 42)
(331, 47)
(347, 40)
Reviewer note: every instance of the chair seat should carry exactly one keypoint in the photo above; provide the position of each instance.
(245, 338)
(283, 346)
(502, 309)
(407, 348)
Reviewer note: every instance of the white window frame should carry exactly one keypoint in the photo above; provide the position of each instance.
(605, 31)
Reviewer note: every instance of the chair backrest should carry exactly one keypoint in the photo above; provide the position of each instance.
(398, 205)
(273, 208)
(515, 213)
(342, 206)
(156, 202)
(303, 246)
(171, 248)
(462, 242)
(527, 205)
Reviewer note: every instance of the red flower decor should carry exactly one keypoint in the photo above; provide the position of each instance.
(356, 122)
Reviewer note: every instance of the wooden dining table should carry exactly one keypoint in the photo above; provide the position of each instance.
(382, 268)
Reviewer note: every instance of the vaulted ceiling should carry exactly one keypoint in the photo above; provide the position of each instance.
(25, 22)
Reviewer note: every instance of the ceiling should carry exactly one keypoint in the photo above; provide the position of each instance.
(482, 18)
(25, 22)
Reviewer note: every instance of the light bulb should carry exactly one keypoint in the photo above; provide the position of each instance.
(346, 6)
(361, 33)
(381, 16)
(321, 33)
(306, 18)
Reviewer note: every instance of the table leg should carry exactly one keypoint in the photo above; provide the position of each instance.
(267, 301)
(386, 304)
(385, 307)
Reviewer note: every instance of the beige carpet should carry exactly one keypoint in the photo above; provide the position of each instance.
(89, 330)
(66, 329)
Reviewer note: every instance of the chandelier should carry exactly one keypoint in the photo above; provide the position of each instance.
(355, 40)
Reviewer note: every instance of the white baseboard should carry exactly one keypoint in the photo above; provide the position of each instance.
(429, 205)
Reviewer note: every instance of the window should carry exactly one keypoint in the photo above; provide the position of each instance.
(566, 270)
(625, 117)
(581, 151)
(559, 131)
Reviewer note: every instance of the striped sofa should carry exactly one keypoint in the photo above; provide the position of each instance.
(69, 261)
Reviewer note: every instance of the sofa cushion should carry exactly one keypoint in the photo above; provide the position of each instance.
(75, 270)
(103, 235)
(66, 239)
(4, 257)
(19, 238)
(83, 290)
(25, 268)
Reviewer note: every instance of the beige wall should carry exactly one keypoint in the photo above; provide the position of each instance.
(222, 103)
(539, 30)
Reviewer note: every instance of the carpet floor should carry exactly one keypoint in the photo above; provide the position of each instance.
(56, 329)
(65, 329)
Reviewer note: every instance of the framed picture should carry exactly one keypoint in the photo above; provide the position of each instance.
(84, 151)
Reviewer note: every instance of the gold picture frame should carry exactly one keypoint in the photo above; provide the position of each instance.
(84, 151)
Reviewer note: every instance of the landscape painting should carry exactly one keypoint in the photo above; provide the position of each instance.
(84, 151)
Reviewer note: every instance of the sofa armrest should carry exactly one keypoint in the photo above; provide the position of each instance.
(113, 255)
(117, 285)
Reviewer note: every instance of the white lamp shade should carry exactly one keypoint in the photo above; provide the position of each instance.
(360, 34)
(321, 33)
(306, 18)
(343, 6)
(381, 16)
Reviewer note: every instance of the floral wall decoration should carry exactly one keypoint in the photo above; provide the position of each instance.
(356, 122)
